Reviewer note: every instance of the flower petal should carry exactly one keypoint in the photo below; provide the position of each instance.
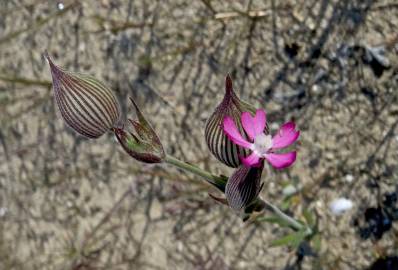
(233, 133)
(281, 161)
(285, 136)
(252, 160)
(254, 125)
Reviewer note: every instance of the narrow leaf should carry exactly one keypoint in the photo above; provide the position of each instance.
(309, 217)
(293, 240)
(275, 220)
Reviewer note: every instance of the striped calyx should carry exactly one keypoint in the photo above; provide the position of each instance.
(143, 145)
(243, 186)
(86, 105)
(219, 144)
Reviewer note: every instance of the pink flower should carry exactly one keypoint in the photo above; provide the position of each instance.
(263, 146)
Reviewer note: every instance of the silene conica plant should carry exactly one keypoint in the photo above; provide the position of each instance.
(236, 134)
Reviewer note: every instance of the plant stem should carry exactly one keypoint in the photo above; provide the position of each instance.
(220, 182)
(215, 180)
(288, 219)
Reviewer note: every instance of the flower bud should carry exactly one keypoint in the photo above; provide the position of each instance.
(243, 186)
(219, 144)
(143, 146)
(86, 105)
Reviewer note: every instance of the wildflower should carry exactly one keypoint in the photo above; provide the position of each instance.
(219, 144)
(145, 145)
(86, 105)
(340, 205)
(262, 145)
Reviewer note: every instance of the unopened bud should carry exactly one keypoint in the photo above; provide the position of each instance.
(243, 186)
(86, 104)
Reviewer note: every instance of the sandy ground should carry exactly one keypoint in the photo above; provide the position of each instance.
(71, 203)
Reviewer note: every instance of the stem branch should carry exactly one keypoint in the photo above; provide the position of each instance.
(220, 182)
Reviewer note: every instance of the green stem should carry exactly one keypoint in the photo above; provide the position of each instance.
(215, 180)
(220, 182)
(288, 219)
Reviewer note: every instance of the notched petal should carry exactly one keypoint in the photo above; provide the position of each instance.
(254, 125)
(233, 133)
(286, 135)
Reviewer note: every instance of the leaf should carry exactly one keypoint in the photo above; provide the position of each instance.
(218, 199)
(316, 242)
(293, 240)
(286, 204)
(274, 219)
(309, 217)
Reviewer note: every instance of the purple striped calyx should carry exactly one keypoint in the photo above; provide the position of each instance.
(144, 145)
(243, 186)
(219, 144)
(87, 105)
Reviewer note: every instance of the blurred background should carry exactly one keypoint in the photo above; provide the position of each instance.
(71, 203)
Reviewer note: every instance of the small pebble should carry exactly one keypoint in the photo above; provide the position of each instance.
(289, 190)
(3, 211)
(60, 6)
(315, 88)
(340, 205)
(180, 246)
(274, 126)
(271, 186)
(69, 204)
(319, 204)
(349, 178)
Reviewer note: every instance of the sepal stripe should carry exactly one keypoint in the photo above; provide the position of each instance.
(86, 104)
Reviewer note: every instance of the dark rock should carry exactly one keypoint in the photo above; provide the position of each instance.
(292, 49)
(387, 263)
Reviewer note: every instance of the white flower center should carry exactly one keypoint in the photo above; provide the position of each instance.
(262, 143)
